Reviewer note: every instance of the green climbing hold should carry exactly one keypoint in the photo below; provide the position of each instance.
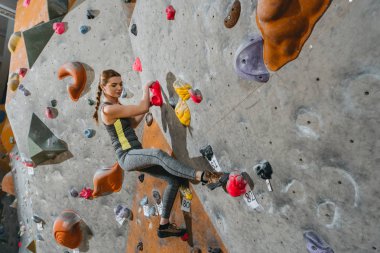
(42, 143)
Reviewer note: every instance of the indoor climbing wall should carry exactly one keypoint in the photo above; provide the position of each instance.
(44, 128)
(315, 119)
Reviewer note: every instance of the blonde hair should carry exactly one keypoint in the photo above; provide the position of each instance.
(103, 80)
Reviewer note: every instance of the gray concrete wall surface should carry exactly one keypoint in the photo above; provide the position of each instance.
(313, 121)
(316, 121)
(106, 45)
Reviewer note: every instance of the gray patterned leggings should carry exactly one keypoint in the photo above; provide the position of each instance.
(159, 164)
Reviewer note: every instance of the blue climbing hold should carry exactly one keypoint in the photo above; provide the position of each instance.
(89, 133)
(83, 29)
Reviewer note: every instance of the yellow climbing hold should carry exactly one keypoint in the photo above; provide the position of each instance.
(186, 192)
(13, 41)
(183, 113)
(14, 81)
(182, 88)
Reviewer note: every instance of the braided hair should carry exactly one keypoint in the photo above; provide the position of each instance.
(103, 80)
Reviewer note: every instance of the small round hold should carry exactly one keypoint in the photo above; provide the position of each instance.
(141, 177)
(90, 101)
(149, 119)
(134, 29)
(51, 113)
(140, 246)
(53, 103)
(83, 29)
(74, 193)
(89, 133)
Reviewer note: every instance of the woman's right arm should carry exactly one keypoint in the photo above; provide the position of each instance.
(124, 111)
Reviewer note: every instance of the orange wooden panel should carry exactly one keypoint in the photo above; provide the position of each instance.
(201, 230)
(285, 26)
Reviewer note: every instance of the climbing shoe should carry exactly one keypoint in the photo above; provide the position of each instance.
(169, 230)
(215, 179)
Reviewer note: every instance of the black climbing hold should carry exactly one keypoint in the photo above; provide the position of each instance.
(90, 14)
(207, 152)
(53, 103)
(141, 177)
(214, 250)
(149, 118)
(134, 29)
(264, 170)
(37, 219)
(140, 246)
(90, 101)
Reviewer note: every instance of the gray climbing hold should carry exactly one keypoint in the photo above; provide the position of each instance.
(122, 211)
(84, 29)
(124, 93)
(249, 62)
(144, 201)
(315, 244)
(149, 118)
(152, 211)
(89, 133)
(134, 29)
(157, 197)
(24, 90)
(74, 193)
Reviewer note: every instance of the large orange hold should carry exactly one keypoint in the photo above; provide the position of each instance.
(285, 26)
(107, 181)
(78, 73)
(67, 231)
(7, 185)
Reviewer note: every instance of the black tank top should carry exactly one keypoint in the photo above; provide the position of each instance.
(122, 134)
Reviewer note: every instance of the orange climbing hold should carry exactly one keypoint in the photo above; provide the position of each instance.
(108, 180)
(67, 231)
(7, 184)
(78, 73)
(285, 26)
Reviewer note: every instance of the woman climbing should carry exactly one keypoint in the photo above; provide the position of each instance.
(120, 121)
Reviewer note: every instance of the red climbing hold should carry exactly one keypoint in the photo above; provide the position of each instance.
(137, 65)
(185, 237)
(86, 193)
(49, 113)
(236, 185)
(59, 27)
(22, 71)
(170, 12)
(156, 98)
(196, 95)
(26, 3)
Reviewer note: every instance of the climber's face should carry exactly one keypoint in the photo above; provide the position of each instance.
(113, 87)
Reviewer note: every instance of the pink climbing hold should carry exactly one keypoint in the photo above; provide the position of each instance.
(196, 95)
(49, 113)
(137, 65)
(156, 98)
(22, 72)
(26, 3)
(236, 185)
(86, 193)
(59, 27)
(170, 12)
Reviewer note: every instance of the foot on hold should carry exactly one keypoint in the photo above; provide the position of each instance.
(169, 230)
(214, 179)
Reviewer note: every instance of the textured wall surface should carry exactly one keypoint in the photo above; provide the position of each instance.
(316, 121)
(313, 120)
(106, 45)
